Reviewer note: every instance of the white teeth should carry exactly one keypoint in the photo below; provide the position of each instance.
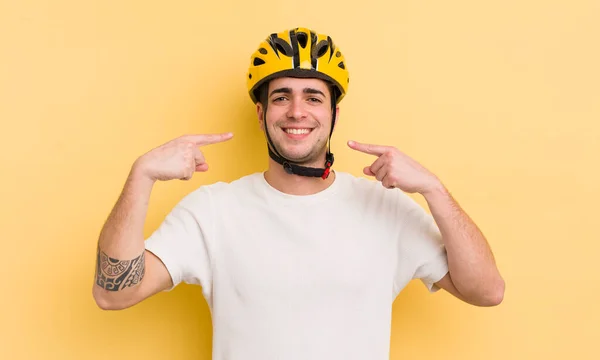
(297, 131)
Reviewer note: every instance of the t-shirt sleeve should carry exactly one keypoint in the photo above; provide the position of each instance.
(183, 241)
(420, 244)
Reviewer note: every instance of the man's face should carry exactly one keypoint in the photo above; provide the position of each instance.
(298, 119)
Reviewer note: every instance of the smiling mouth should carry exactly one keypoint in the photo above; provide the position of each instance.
(297, 131)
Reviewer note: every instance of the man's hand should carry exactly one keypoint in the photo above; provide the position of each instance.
(397, 170)
(179, 158)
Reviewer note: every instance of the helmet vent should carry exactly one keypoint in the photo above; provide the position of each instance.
(283, 47)
(320, 49)
(341, 65)
(302, 39)
(258, 61)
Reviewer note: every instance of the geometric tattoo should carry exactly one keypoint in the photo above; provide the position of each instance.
(115, 275)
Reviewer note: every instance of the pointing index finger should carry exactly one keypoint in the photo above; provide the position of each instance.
(377, 150)
(205, 139)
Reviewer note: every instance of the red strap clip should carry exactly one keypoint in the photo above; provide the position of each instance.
(326, 172)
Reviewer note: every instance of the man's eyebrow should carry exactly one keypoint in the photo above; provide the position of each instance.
(284, 90)
(313, 91)
(287, 90)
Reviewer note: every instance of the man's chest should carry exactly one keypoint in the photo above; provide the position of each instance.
(282, 255)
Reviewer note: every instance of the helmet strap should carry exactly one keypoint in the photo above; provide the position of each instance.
(289, 166)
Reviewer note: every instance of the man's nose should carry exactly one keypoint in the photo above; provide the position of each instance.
(296, 109)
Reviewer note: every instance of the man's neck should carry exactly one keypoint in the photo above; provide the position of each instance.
(294, 184)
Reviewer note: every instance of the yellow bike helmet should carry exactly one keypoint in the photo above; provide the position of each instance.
(299, 52)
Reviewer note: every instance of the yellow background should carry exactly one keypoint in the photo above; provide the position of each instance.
(501, 100)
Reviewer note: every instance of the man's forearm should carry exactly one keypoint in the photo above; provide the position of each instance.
(471, 263)
(120, 261)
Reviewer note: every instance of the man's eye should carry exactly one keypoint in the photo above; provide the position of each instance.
(315, 100)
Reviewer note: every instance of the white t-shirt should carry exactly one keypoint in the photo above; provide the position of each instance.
(300, 277)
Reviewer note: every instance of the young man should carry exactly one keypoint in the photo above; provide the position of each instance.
(298, 262)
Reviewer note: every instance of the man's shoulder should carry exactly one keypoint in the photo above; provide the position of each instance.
(352, 179)
(353, 184)
(223, 191)
(371, 190)
(214, 199)
(241, 184)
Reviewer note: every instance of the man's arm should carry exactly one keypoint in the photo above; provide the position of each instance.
(473, 273)
(125, 272)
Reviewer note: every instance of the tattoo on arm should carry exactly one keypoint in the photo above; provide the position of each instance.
(114, 275)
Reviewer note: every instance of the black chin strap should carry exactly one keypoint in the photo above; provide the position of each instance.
(292, 168)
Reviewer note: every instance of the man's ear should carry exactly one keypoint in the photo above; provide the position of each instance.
(260, 115)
